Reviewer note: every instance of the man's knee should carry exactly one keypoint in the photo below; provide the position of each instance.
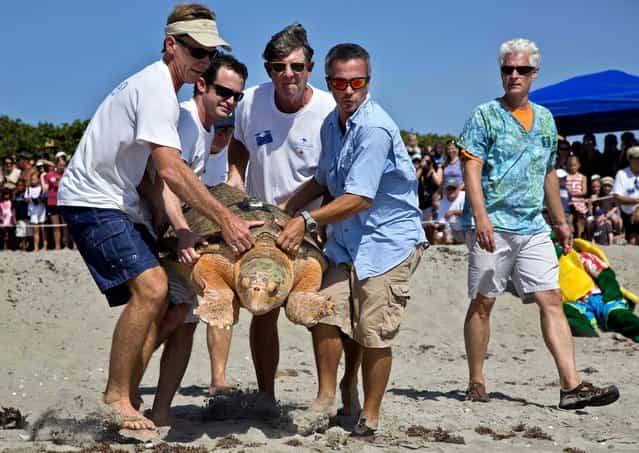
(549, 301)
(150, 288)
(482, 305)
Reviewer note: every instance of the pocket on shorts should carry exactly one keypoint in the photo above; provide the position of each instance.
(113, 239)
(398, 296)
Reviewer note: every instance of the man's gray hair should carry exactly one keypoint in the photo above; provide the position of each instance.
(520, 45)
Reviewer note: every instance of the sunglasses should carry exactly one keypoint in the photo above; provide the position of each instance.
(197, 52)
(281, 67)
(226, 93)
(341, 84)
(521, 70)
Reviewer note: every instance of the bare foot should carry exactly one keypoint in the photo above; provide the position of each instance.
(325, 405)
(138, 404)
(164, 419)
(220, 389)
(350, 400)
(127, 417)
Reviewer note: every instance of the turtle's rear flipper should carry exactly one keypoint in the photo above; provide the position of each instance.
(307, 309)
(217, 304)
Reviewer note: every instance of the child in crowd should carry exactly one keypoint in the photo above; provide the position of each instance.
(7, 220)
(593, 203)
(21, 215)
(602, 228)
(34, 195)
(448, 227)
(578, 188)
(564, 194)
(608, 204)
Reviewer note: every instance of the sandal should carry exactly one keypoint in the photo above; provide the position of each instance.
(477, 392)
(362, 430)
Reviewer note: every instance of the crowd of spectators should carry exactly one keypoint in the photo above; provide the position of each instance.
(598, 188)
(29, 218)
(592, 186)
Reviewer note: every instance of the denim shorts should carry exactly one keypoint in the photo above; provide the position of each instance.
(113, 247)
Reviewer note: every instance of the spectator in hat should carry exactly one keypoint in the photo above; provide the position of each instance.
(412, 146)
(61, 156)
(607, 203)
(626, 191)
(450, 210)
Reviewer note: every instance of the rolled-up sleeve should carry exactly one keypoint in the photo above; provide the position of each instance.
(369, 159)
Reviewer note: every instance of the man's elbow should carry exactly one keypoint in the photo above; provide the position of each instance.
(170, 174)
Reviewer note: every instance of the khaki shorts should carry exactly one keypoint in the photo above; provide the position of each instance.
(528, 259)
(370, 311)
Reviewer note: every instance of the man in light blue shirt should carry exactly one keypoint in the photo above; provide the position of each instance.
(375, 238)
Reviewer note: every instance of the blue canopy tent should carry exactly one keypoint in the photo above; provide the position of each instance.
(606, 101)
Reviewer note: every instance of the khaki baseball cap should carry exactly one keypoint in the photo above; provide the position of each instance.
(203, 31)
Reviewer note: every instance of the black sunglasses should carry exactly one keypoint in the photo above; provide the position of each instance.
(521, 70)
(226, 93)
(281, 67)
(197, 52)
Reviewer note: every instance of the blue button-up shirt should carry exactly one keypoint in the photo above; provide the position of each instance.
(370, 160)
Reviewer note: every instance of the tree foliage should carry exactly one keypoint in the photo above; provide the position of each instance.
(16, 136)
(428, 139)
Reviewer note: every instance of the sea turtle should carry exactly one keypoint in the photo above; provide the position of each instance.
(260, 279)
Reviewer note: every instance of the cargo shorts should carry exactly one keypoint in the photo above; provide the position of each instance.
(370, 311)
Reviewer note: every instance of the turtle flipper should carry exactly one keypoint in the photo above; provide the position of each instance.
(305, 305)
(308, 308)
(218, 306)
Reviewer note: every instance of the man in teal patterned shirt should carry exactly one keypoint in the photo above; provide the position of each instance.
(509, 150)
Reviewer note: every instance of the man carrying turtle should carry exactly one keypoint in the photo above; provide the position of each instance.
(277, 130)
(98, 197)
(215, 97)
(376, 239)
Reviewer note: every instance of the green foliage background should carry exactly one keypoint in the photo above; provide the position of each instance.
(16, 136)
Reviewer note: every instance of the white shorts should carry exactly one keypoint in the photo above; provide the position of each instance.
(180, 292)
(529, 260)
(37, 214)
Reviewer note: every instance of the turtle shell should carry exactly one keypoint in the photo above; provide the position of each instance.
(248, 208)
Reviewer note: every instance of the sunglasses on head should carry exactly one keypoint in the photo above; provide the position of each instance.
(341, 84)
(521, 70)
(278, 66)
(226, 93)
(197, 52)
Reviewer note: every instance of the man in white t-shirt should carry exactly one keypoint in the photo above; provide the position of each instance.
(215, 96)
(277, 133)
(626, 191)
(450, 210)
(107, 218)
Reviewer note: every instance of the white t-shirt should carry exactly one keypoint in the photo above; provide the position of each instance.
(284, 148)
(110, 160)
(217, 168)
(627, 185)
(446, 205)
(195, 140)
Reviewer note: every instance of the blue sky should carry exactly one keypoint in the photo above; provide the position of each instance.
(433, 61)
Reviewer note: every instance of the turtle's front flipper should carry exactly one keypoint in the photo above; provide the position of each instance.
(305, 305)
(218, 306)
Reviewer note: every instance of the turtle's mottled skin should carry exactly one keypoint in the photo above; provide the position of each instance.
(261, 279)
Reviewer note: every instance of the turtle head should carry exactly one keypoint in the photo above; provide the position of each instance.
(262, 285)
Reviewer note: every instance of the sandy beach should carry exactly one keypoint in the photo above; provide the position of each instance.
(56, 332)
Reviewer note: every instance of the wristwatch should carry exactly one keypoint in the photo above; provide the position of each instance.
(311, 224)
